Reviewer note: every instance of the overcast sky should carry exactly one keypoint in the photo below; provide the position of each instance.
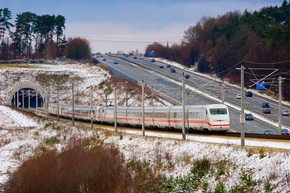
(128, 25)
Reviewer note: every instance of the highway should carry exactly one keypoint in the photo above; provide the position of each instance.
(166, 83)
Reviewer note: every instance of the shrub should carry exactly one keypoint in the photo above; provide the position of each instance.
(262, 153)
(200, 167)
(144, 180)
(78, 169)
(51, 140)
(247, 184)
(47, 125)
(250, 153)
(267, 186)
(221, 167)
(188, 183)
(220, 188)
(78, 48)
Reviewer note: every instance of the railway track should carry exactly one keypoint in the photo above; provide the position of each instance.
(42, 112)
(190, 132)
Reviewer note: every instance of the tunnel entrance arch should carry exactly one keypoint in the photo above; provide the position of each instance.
(27, 95)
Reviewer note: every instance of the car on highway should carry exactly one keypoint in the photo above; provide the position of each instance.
(168, 66)
(248, 93)
(284, 131)
(268, 132)
(115, 62)
(135, 57)
(265, 105)
(104, 59)
(285, 113)
(172, 70)
(266, 110)
(238, 96)
(153, 60)
(161, 66)
(187, 76)
(249, 116)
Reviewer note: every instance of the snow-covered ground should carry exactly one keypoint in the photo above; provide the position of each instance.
(22, 136)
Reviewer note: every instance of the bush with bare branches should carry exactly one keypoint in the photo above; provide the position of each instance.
(81, 170)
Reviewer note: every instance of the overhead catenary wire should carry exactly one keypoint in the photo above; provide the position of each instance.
(232, 68)
(266, 63)
(131, 41)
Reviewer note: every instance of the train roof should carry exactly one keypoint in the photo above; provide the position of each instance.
(146, 107)
(75, 106)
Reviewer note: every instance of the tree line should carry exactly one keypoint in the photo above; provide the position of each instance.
(37, 36)
(34, 34)
(221, 44)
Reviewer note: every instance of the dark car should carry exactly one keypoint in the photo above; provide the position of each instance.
(248, 94)
(249, 116)
(135, 57)
(268, 132)
(285, 132)
(153, 60)
(168, 66)
(115, 62)
(161, 66)
(104, 59)
(172, 70)
(266, 110)
(187, 76)
(265, 105)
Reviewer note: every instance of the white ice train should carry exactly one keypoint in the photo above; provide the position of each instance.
(213, 117)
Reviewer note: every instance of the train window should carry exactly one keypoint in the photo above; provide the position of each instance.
(121, 114)
(176, 114)
(134, 114)
(147, 114)
(109, 113)
(218, 111)
(160, 115)
(194, 115)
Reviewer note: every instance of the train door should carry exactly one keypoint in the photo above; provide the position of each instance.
(100, 114)
(170, 117)
(153, 117)
(187, 117)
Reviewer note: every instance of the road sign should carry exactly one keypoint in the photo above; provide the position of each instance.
(242, 118)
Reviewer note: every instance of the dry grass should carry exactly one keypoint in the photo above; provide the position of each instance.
(9, 66)
(12, 66)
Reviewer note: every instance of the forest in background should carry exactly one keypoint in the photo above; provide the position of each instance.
(259, 40)
(219, 45)
(38, 37)
(34, 36)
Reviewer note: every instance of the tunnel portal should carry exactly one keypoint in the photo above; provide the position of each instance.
(27, 98)
(27, 95)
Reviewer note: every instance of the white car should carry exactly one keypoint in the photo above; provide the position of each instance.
(239, 96)
(285, 112)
